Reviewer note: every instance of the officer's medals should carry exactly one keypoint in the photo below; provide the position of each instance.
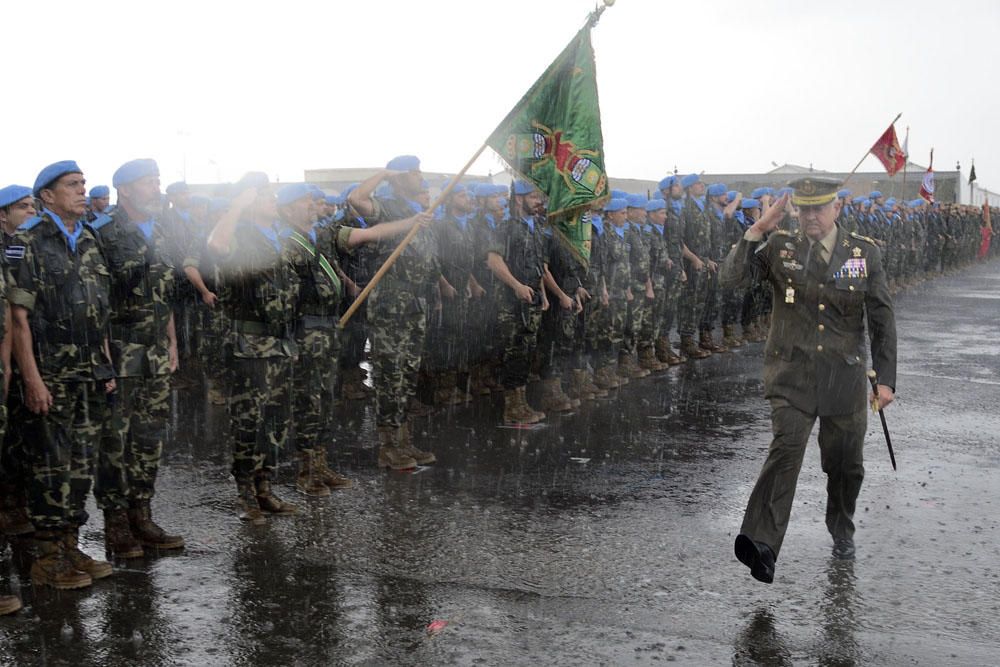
(789, 295)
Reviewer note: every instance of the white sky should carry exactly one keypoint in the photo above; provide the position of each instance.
(219, 87)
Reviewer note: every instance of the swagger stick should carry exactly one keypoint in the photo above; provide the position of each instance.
(885, 428)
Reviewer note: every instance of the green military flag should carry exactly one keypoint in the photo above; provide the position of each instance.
(553, 139)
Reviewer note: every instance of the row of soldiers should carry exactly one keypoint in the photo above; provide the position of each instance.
(102, 303)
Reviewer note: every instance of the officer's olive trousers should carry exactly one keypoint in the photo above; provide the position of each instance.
(841, 441)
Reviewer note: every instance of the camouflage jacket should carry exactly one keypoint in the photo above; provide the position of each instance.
(697, 228)
(260, 293)
(66, 292)
(142, 292)
(521, 244)
(320, 289)
(673, 232)
(638, 254)
(457, 246)
(617, 273)
(413, 277)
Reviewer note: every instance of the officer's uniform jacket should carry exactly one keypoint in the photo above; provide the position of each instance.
(815, 354)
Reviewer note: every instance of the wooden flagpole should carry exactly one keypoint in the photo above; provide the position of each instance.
(360, 299)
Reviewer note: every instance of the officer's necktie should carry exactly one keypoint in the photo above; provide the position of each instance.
(817, 265)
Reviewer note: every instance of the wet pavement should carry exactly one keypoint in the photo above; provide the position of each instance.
(604, 538)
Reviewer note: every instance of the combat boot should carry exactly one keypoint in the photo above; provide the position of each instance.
(628, 368)
(516, 410)
(553, 397)
(606, 378)
(706, 342)
(409, 449)
(140, 519)
(266, 500)
(662, 349)
(581, 388)
(307, 481)
(446, 392)
(15, 521)
(539, 415)
(9, 604)
(53, 567)
(729, 337)
(96, 569)
(119, 542)
(648, 361)
(477, 381)
(760, 330)
(333, 479)
(249, 508)
(390, 454)
(691, 348)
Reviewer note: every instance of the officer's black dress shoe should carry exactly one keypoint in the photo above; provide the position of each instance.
(757, 556)
(843, 548)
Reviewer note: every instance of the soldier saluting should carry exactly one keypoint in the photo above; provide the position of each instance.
(827, 283)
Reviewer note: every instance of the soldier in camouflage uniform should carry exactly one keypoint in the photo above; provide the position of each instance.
(757, 291)
(698, 265)
(719, 210)
(310, 250)
(397, 308)
(485, 351)
(641, 287)
(16, 206)
(60, 313)
(517, 259)
(615, 293)
(260, 291)
(144, 351)
(674, 277)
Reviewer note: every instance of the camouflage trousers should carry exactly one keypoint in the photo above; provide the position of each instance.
(519, 323)
(132, 441)
(557, 346)
(259, 413)
(313, 377)
(398, 326)
(213, 338)
(637, 318)
(448, 340)
(668, 293)
(60, 460)
(12, 469)
(353, 337)
(692, 302)
(482, 328)
(732, 305)
(608, 331)
(713, 302)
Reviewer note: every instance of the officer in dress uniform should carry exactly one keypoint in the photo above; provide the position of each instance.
(828, 285)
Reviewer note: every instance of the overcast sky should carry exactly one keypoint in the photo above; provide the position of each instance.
(215, 88)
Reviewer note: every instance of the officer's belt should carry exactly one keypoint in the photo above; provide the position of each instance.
(254, 328)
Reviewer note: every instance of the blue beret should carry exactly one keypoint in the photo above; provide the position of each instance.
(502, 190)
(458, 189)
(316, 192)
(199, 200)
(716, 190)
(843, 194)
(758, 193)
(636, 201)
(655, 205)
(875, 194)
(891, 201)
(53, 172)
(857, 200)
(917, 202)
(334, 200)
(522, 187)
(484, 190)
(750, 203)
(13, 193)
(731, 195)
(289, 194)
(404, 163)
(615, 205)
(619, 194)
(667, 182)
(252, 179)
(690, 180)
(784, 191)
(133, 170)
(100, 191)
(178, 188)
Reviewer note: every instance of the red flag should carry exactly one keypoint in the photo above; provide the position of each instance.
(927, 186)
(888, 151)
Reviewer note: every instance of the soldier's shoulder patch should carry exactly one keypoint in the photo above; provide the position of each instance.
(863, 238)
(101, 220)
(14, 252)
(30, 223)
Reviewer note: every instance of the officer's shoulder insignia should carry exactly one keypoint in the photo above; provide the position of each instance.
(863, 238)
(14, 252)
(98, 222)
(782, 232)
(30, 223)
